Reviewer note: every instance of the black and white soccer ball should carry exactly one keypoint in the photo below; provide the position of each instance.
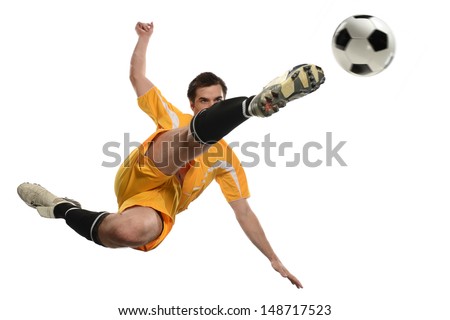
(363, 45)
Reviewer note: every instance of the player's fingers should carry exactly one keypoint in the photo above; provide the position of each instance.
(294, 280)
(146, 26)
(143, 26)
(297, 283)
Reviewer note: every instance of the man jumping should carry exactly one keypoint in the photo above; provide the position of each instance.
(179, 160)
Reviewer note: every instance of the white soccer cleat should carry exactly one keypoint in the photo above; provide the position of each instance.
(41, 199)
(296, 83)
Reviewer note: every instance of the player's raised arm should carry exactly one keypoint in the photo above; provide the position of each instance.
(138, 60)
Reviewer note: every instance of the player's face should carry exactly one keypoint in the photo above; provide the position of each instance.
(207, 96)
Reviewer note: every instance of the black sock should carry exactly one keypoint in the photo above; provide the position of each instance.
(84, 222)
(212, 124)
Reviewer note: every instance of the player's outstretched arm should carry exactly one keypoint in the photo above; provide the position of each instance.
(252, 228)
(138, 60)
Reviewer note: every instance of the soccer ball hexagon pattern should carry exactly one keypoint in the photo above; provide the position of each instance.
(363, 45)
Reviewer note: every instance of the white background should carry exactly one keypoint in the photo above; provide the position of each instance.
(370, 239)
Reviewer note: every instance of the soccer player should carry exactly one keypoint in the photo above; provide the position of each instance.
(179, 160)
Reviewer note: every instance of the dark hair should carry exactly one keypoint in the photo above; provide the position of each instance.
(205, 79)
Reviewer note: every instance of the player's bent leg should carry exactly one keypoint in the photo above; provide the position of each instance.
(134, 227)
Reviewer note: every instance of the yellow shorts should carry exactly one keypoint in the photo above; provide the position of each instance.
(139, 183)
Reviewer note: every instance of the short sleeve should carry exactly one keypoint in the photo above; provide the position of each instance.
(163, 113)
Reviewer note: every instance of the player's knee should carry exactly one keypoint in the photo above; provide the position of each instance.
(139, 230)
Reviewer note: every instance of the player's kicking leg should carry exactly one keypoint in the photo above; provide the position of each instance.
(171, 150)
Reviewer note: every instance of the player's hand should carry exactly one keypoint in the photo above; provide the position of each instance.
(278, 266)
(144, 29)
